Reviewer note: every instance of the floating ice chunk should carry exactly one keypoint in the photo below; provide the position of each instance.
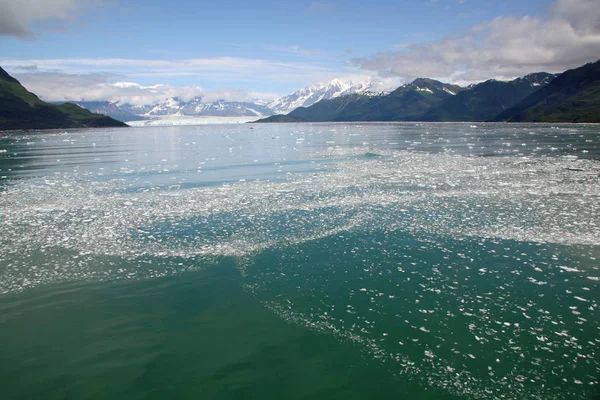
(568, 269)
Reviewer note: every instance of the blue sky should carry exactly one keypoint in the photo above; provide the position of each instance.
(274, 47)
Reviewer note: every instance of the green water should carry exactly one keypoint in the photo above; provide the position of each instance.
(429, 261)
(194, 336)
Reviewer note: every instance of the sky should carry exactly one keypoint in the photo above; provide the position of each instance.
(142, 51)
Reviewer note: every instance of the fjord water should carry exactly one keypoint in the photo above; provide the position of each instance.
(380, 260)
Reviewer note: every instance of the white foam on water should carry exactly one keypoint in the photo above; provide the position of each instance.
(533, 200)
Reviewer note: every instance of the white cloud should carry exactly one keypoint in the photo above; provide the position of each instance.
(56, 86)
(73, 79)
(506, 47)
(220, 69)
(17, 16)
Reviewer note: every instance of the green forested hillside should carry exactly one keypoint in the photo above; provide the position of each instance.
(574, 96)
(486, 100)
(21, 109)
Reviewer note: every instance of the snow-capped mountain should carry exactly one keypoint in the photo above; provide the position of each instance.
(136, 109)
(223, 108)
(308, 96)
(198, 107)
(171, 106)
(174, 106)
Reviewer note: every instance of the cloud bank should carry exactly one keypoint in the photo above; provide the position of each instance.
(56, 86)
(221, 69)
(17, 16)
(566, 37)
(77, 79)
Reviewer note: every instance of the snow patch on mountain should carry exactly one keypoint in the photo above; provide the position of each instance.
(449, 91)
(424, 90)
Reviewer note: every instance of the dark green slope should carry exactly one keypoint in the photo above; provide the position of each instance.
(574, 96)
(21, 109)
(280, 118)
(345, 108)
(486, 100)
(408, 102)
(405, 103)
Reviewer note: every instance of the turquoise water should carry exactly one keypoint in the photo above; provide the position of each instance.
(309, 261)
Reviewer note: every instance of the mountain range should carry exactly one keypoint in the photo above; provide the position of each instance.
(425, 100)
(573, 96)
(198, 107)
(406, 102)
(486, 100)
(310, 95)
(21, 109)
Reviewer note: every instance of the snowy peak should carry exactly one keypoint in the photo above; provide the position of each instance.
(198, 106)
(222, 108)
(337, 87)
(174, 106)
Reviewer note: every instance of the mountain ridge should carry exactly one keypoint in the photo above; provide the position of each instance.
(485, 100)
(425, 99)
(406, 102)
(175, 106)
(574, 96)
(307, 96)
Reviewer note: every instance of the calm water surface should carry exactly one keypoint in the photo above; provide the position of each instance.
(309, 261)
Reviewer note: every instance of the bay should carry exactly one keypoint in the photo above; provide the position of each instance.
(404, 260)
